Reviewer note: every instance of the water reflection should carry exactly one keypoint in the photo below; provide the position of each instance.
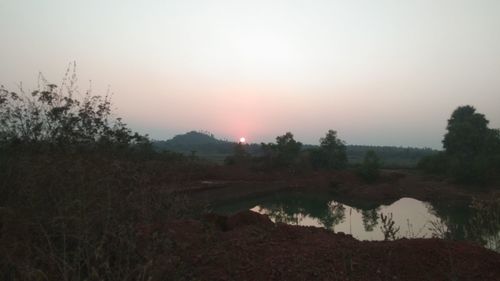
(478, 221)
(370, 218)
(412, 216)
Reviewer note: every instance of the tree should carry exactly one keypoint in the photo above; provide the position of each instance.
(331, 153)
(370, 168)
(467, 132)
(55, 116)
(471, 148)
(284, 153)
(239, 156)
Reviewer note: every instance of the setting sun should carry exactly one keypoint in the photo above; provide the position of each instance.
(242, 140)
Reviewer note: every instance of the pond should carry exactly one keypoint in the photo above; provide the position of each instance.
(412, 218)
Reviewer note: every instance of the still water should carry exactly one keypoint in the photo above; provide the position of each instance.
(412, 218)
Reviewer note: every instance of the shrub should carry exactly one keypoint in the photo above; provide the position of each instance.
(434, 164)
(55, 117)
(369, 170)
(79, 190)
(331, 154)
(240, 155)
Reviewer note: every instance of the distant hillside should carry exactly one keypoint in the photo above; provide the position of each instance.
(207, 146)
(203, 144)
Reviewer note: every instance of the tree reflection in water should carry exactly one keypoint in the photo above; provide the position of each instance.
(478, 221)
(370, 218)
(334, 214)
(292, 208)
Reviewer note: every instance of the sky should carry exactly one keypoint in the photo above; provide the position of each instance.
(380, 72)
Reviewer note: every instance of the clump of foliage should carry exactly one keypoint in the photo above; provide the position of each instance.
(485, 223)
(240, 155)
(434, 164)
(284, 153)
(331, 153)
(471, 149)
(388, 229)
(79, 191)
(60, 117)
(393, 157)
(289, 153)
(369, 170)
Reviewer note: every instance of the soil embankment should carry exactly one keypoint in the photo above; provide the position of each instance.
(248, 246)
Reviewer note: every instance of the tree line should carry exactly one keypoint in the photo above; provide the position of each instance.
(287, 153)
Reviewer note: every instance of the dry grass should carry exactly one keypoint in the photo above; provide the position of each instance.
(76, 216)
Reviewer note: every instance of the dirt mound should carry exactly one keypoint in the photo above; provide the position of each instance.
(247, 218)
(248, 246)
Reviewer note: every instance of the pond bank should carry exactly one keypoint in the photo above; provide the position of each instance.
(392, 186)
(248, 246)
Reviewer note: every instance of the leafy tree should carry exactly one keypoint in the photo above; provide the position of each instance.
(467, 132)
(287, 146)
(56, 117)
(285, 153)
(239, 156)
(471, 147)
(331, 153)
(370, 168)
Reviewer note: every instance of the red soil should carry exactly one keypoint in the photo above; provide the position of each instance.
(248, 246)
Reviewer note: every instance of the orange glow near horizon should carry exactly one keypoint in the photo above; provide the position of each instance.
(373, 71)
(242, 140)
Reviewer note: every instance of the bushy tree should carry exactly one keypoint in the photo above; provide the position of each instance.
(240, 155)
(58, 117)
(467, 133)
(284, 153)
(331, 153)
(471, 148)
(370, 168)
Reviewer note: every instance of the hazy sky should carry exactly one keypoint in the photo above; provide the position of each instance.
(383, 72)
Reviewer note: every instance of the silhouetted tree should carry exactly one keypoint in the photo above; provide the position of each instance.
(285, 153)
(55, 116)
(467, 132)
(471, 149)
(470, 146)
(331, 153)
(370, 168)
(239, 156)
